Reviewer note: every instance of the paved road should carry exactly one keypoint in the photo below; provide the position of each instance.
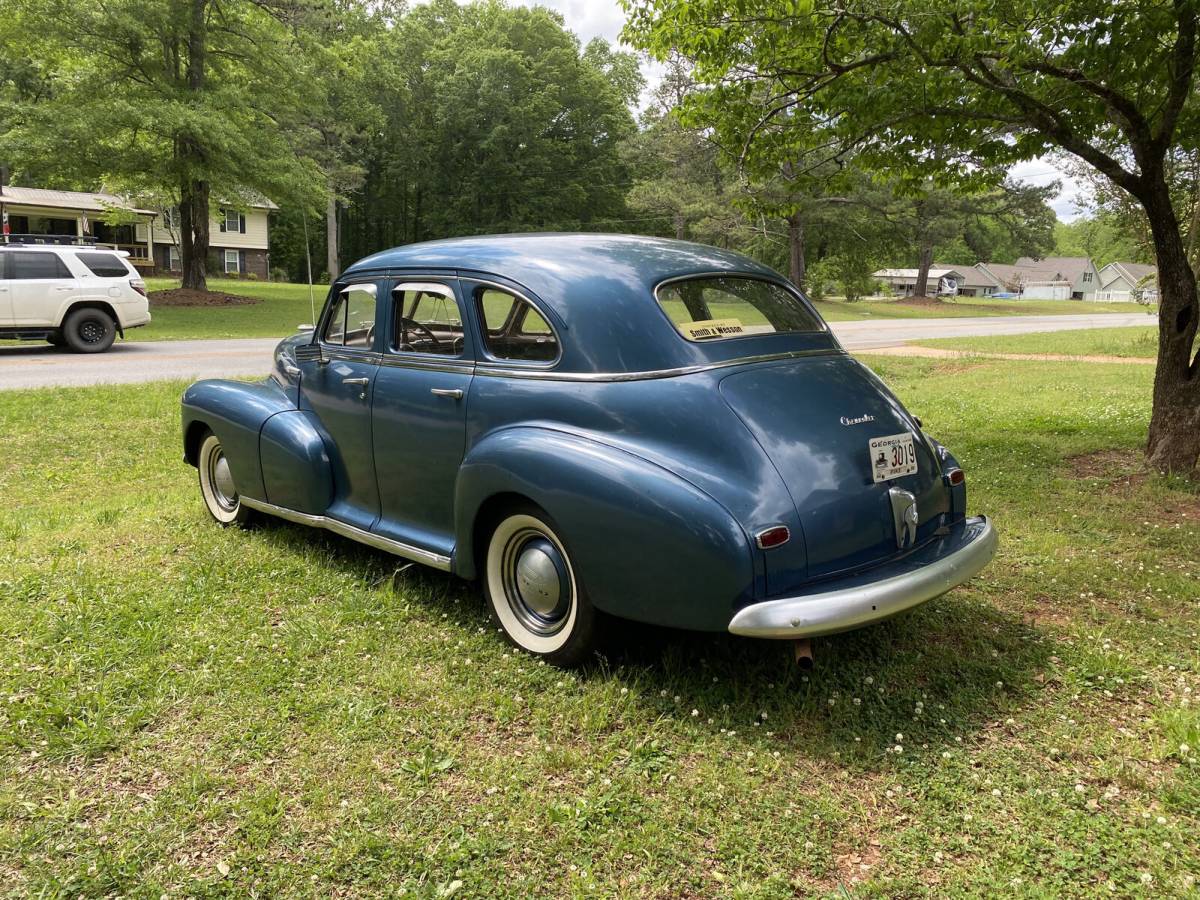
(40, 365)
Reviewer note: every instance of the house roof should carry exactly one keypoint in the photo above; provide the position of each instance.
(934, 272)
(73, 200)
(1134, 273)
(1054, 268)
(970, 276)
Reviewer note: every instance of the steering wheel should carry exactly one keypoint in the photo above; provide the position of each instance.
(407, 324)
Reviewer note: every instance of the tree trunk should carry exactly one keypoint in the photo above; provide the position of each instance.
(193, 233)
(921, 288)
(331, 240)
(797, 269)
(189, 157)
(1174, 442)
(680, 226)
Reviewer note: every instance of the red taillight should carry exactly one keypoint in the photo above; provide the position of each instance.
(773, 537)
(955, 477)
(139, 286)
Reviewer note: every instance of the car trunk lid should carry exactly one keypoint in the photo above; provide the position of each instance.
(814, 417)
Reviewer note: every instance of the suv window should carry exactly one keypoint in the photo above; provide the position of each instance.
(106, 265)
(427, 320)
(352, 321)
(513, 328)
(716, 308)
(25, 264)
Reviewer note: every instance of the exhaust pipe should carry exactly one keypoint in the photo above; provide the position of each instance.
(804, 655)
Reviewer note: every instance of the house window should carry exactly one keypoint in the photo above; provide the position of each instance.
(232, 222)
(1087, 276)
(173, 262)
(171, 217)
(231, 262)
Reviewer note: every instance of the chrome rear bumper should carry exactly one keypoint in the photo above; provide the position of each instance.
(852, 602)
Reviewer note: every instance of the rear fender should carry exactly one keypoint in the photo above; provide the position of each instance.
(235, 411)
(646, 544)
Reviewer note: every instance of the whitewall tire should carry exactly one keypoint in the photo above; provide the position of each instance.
(533, 590)
(216, 484)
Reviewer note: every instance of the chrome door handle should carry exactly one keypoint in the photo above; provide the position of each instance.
(362, 381)
(447, 392)
(291, 371)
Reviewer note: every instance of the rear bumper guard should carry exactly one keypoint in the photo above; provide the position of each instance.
(859, 600)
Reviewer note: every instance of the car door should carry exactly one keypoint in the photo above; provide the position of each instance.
(419, 412)
(335, 388)
(6, 315)
(40, 286)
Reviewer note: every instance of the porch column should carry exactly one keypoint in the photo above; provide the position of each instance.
(150, 240)
(79, 226)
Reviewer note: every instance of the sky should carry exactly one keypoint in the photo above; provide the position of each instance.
(604, 18)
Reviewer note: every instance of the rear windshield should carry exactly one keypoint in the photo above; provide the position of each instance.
(106, 265)
(716, 308)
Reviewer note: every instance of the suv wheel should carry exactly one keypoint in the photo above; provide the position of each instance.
(89, 331)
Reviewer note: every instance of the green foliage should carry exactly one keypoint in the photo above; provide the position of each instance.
(1100, 237)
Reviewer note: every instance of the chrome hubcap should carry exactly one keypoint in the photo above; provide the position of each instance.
(221, 480)
(537, 582)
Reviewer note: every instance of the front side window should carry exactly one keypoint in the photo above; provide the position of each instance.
(105, 265)
(513, 328)
(351, 322)
(717, 308)
(231, 262)
(173, 262)
(427, 320)
(30, 266)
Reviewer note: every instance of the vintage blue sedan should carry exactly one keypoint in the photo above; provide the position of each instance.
(596, 425)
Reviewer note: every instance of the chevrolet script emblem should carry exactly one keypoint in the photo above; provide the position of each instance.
(857, 420)
(904, 517)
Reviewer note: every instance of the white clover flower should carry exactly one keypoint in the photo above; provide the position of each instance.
(897, 749)
(695, 712)
(899, 737)
(624, 691)
(946, 754)
(869, 680)
(995, 792)
(1079, 788)
(1161, 820)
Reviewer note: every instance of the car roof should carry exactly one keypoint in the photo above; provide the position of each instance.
(599, 286)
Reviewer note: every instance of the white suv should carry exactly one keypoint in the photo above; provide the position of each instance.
(75, 297)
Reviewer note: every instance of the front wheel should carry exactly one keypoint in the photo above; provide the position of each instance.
(533, 592)
(216, 484)
(89, 331)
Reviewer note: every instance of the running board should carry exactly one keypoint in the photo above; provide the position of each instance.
(416, 554)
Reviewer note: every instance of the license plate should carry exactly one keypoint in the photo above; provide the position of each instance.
(892, 456)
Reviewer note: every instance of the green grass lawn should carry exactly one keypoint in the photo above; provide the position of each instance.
(1126, 342)
(286, 305)
(192, 711)
(283, 307)
(835, 310)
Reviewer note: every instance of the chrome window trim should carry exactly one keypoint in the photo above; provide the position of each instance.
(379, 542)
(459, 364)
(514, 363)
(492, 370)
(694, 276)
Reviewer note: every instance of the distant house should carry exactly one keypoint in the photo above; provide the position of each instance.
(1123, 282)
(239, 243)
(946, 280)
(1052, 278)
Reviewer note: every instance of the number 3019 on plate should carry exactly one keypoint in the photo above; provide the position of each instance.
(892, 456)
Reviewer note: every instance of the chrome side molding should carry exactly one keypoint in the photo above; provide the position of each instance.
(416, 554)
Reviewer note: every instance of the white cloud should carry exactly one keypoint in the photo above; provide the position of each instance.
(1072, 195)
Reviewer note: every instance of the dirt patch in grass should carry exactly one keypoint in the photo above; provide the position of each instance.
(920, 302)
(1110, 464)
(189, 297)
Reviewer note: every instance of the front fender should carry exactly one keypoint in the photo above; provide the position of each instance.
(646, 544)
(235, 411)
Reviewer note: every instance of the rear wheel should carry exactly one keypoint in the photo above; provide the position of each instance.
(216, 484)
(89, 331)
(533, 592)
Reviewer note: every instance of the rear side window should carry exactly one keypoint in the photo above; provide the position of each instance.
(514, 329)
(26, 264)
(718, 308)
(105, 265)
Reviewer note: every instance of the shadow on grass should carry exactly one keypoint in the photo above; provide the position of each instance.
(924, 680)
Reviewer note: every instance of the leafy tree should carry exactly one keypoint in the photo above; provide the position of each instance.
(192, 99)
(958, 92)
(1103, 238)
